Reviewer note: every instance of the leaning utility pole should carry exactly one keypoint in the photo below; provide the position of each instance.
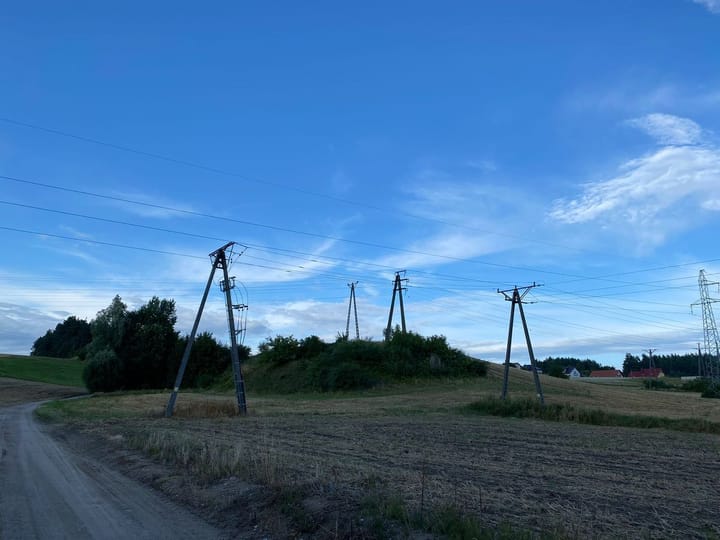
(710, 332)
(352, 304)
(397, 289)
(517, 300)
(219, 260)
(651, 361)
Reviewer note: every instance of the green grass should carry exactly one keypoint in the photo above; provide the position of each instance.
(67, 372)
(559, 412)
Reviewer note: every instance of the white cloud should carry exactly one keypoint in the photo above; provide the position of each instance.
(654, 195)
(713, 6)
(668, 129)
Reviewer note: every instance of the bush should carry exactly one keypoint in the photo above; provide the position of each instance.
(712, 391)
(658, 384)
(279, 350)
(696, 385)
(102, 373)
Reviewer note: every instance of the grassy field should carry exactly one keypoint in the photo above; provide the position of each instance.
(415, 453)
(62, 371)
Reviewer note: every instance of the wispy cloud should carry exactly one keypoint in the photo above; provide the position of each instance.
(713, 6)
(678, 178)
(634, 97)
(668, 129)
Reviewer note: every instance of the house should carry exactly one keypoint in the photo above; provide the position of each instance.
(571, 373)
(648, 373)
(528, 367)
(606, 373)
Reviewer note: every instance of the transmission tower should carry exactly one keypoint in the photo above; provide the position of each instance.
(352, 304)
(220, 259)
(710, 332)
(397, 290)
(516, 298)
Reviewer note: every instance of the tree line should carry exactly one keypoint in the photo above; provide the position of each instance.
(135, 349)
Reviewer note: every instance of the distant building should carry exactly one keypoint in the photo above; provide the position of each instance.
(606, 373)
(571, 373)
(648, 373)
(528, 367)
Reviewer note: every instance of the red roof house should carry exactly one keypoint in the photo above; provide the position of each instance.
(652, 373)
(606, 373)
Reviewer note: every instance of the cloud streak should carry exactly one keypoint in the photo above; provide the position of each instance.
(657, 194)
(713, 6)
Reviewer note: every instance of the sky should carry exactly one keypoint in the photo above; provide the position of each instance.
(475, 146)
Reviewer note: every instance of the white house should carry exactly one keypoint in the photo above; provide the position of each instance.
(571, 373)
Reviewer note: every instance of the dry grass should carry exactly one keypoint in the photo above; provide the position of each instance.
(596, 481)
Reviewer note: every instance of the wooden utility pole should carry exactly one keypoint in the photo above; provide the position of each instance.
(516, 298)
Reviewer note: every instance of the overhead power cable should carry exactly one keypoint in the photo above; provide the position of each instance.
(100, 243)
(283, 229)
(287, 187)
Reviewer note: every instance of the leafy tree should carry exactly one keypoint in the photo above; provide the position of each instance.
(631, 363)
(69, 339)
(102, 372)
(108, 327)
(209, 359)
(148, 345)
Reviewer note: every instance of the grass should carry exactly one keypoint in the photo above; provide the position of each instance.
(62, 371)
(561, 412)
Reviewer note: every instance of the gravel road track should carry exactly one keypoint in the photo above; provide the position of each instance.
(49, 491)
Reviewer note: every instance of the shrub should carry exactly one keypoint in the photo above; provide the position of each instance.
(103, 372)
(712, 391)
(696, 385)
(657, 384)
(279, 350)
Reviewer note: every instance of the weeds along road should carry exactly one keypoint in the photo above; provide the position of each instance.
(48, 491)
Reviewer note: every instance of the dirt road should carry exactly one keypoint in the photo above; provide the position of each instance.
(49, 491)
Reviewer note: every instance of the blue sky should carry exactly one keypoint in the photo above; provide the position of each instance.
(477, 145)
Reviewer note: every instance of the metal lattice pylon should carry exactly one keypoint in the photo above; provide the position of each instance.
(710, 332)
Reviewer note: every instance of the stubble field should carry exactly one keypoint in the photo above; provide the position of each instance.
(411, 450)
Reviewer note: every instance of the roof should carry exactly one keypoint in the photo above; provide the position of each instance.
(606, 373)
(568, 370)
(647, 372)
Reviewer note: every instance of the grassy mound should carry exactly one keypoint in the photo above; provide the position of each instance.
(287, 365)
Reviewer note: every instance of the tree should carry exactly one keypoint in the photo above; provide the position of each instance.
(148, 345)
(108, 327)
(631, 363)
(69, 339)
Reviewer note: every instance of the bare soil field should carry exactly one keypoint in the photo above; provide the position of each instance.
(14, 391)
(302, 466)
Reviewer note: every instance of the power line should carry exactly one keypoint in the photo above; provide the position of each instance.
(288, 187)
(98, 242)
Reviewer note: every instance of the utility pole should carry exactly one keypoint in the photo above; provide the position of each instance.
(352, 304)
(516, 298)
(219, 260)
(711, 359)
(651, 362)
(397, 290)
